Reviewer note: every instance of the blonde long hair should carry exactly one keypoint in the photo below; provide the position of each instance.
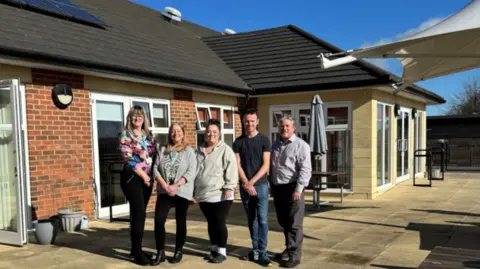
(170, 144)
(134, 111)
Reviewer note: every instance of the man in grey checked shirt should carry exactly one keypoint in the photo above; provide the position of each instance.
(290, 173)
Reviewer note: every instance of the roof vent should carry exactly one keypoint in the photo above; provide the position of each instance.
(172, 14)
(229, 32)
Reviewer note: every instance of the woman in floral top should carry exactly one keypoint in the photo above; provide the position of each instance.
(138, 149)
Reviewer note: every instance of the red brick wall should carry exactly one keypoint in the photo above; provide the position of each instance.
(182, 109)
(60, 146)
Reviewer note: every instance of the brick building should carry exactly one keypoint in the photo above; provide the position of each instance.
(54, 157)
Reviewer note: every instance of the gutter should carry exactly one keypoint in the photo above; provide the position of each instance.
(68, 62)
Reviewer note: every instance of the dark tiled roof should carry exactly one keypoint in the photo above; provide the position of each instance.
(281, 58)
(284, 59)
(136, 40)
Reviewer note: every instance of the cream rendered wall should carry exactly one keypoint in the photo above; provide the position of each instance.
(12, 72)
(362, 129)
(214, 98)
(97, 84)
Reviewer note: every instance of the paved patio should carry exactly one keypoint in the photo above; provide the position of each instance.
(396, 230)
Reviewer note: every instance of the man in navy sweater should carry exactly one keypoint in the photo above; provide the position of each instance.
(252, 151)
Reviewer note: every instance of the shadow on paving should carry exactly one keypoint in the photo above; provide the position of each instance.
(238, 217)
(432, 235)
(446, 212)
(116, 243)
(390, 266)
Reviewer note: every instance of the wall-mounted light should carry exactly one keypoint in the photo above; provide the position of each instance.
(396, 110)
(62, 95)
(414, 113)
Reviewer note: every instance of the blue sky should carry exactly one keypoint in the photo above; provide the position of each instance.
(348, 24)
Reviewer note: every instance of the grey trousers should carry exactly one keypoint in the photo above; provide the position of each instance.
(290, 216)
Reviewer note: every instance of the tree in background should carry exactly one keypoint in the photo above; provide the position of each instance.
(466, 102)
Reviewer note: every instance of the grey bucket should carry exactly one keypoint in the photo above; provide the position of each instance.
(70, 219)
(45, 231)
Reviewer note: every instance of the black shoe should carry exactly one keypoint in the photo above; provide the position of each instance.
(177, 257)
(249, 257)
(219, 258)
(159, 258)
(282, 256)
(210, 256)
(141, 259)
(264, 261)
(291, 263)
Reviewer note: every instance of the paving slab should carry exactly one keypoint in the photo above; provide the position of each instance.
(396, 230)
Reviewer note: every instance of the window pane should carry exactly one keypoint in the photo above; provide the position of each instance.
(200, 139)
(146, 107)
(5, 108)
(337, 115)
(277, 116)
(215, 113)
(109, 117)
(338, 155)
(160, 139)
(160, 116)
(202, 116)
(387, 140)
(227, 119)
(304, 115)
(228, 139)
(379, 145)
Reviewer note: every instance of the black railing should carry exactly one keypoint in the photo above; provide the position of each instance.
(460, 154)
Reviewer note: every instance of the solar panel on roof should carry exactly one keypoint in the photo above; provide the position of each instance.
(61, 7)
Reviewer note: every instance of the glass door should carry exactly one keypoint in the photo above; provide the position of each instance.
(384, 142)
(108, 113)
(13, 229)
(403, 145)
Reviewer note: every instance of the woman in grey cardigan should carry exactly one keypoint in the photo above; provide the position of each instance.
(217, 177)
(174, 170)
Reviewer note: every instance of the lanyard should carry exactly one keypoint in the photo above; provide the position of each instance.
(173, 158)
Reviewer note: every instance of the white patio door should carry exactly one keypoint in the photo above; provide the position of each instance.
(403, 144)
(13, 228)
(108, 116)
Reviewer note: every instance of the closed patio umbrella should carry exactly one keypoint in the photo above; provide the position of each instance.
(449, 47)
(318, 143)
(317, 135)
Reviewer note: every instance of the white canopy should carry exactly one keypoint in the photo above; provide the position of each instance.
(451, 46)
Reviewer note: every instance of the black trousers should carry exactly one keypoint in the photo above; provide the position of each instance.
(137, 194)
(216, 215)
(290, 215)
(162, 207)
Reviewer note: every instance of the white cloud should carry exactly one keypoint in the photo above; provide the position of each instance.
(384, 63)
(424, 25)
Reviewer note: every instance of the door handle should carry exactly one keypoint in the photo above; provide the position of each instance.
(399, 144)
(405, 147)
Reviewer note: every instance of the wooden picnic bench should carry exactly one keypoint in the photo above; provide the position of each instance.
(316, 184)
(451, 258)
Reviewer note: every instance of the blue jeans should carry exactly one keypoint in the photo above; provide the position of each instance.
(256, 208)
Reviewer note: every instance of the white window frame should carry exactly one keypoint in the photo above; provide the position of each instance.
(295, 108)
(390, 166)
(224, 131)
(127, 101)
(418, 140)
(151, 102)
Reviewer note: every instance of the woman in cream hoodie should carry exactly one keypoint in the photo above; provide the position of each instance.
(217, 177)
